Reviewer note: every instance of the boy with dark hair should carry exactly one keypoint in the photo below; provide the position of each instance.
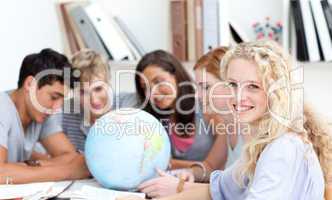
(45, 78)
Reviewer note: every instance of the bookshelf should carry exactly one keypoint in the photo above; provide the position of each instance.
(158, 19)
(154, 33)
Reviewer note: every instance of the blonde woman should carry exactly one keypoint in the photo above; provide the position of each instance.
(92, 96)
(285, 159)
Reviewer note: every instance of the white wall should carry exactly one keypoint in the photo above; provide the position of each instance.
(26, 27)
(149, 20)
(245, 13)
(318, 87)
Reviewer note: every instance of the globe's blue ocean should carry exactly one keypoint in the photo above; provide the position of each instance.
(124, 148)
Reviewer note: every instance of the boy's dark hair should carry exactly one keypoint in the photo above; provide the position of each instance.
(46, 59)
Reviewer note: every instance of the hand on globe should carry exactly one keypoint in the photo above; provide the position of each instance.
(187, 174)
(164, 185)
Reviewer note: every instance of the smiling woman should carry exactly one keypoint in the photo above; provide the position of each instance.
(285, 159)
(250, 102)
(264, 64)
(163, 84)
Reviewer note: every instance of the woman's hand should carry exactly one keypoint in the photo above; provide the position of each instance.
(328, 192)
(186, 174)
(164, 185)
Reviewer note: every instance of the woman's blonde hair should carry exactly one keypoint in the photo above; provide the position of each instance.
(90, 64)
(274, 67)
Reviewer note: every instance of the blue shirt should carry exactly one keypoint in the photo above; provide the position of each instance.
(287, 168)
(73, 123)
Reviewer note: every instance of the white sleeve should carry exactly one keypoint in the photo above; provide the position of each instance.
(223, 185)
(275, 171)
(4, 135)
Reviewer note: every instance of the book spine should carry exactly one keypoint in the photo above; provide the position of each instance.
(199, 28)
(328, 15)
(89, 34)
(322, 29)
(106, 29)
(302, 53)
(310, 34)
(191, 30)
(179, 29)
(210, 24)
(73, 45)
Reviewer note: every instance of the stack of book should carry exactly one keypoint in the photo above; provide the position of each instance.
(201, 25)
(86, 25)
(312, 21)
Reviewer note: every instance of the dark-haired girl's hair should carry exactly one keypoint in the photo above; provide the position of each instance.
(169, 63)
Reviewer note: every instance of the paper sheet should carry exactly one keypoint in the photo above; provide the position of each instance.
(81, 189)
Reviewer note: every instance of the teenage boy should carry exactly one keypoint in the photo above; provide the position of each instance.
(24, 121)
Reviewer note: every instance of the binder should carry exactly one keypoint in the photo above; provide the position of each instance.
(89, 34)
(301, 45)
(286, 33)
(133, 51)
(328, 15)
(224, 20)
(132, 42)
(210, 24)
(191, 30)
(179, 29)
(65, 39)
(72, 43)
(76, 33)
(238, 34)
(107, 31)
(292, 36)
(199, 28)
(317, 37)
(310, 33)
(322, 29)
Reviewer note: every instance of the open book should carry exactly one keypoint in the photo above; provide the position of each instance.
(82, 189)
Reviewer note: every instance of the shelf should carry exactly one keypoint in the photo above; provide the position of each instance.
(315, 64)
(117, 65)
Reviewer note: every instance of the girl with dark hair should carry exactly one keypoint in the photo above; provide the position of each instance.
(167, 80)
(168, 93)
